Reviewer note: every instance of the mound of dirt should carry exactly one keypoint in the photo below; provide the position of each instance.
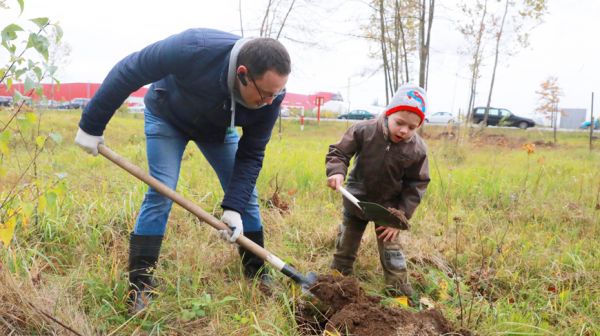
(341, 307)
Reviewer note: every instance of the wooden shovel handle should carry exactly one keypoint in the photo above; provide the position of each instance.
(177, 198)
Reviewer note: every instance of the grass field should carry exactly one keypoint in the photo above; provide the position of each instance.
(505, 241)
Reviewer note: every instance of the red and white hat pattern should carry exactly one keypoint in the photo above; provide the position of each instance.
(409, 98)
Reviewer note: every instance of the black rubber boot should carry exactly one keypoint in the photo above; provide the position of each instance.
(254, 267)
(143, 256)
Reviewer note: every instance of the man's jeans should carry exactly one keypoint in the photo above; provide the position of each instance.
(164, 147)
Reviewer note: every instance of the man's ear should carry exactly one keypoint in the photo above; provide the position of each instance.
(241, 75)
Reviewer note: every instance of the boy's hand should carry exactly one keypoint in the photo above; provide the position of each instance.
(387, 233)
(335, 181)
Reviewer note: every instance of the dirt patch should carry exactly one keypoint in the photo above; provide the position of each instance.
(542, 143)
(341, 307)
(496, 140)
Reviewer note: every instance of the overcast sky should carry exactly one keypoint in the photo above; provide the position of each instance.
(566, 45)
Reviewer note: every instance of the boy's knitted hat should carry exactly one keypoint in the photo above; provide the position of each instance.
(409, 98)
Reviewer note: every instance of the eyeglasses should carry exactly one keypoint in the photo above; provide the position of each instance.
(260, 91)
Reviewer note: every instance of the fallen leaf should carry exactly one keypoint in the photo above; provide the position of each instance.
(7, 230)
(401, 300)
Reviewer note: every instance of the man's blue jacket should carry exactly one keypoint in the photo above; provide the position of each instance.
(189, 72)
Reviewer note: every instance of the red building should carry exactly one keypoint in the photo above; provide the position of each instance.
(308, 101)
(64, 91)
(69, 91)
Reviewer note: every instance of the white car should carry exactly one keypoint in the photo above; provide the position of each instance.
(440, 118)
(137, 108)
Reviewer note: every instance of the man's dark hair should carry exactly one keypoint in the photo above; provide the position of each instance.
(262, 54)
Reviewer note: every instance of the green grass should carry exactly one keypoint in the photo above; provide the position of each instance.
(518, 232)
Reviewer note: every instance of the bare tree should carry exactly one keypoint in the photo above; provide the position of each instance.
(384, 54)
(394, 25)
(427, 8)
(473, 31)
(496, 52)
(278, 16)
(549, 98)
(513, 31)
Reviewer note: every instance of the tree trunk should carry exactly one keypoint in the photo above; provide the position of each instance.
(428, 40)
(383, 51)
(476, 63)
(285, 19)
(498, 38)
(422, 55)
(397, 20)
(264, 24)
(404, 52)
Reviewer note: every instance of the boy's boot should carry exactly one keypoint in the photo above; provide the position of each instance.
(143, 256)
(346, 244)
(254, 267)
(395, 272)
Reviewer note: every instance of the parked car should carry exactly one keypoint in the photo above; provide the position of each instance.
(137, 108)
(501, 117)
(586, 124)
(440, 118)
(6, 100)
(284, 111)
(78, 103)
(51, 104)
(357, 115)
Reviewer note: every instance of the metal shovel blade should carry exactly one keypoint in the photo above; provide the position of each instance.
(375, 212)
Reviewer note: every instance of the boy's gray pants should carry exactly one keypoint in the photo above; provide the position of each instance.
(390, 254)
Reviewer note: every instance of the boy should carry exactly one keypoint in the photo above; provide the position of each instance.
(391, 169)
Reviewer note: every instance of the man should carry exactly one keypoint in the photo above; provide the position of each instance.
(204, 83)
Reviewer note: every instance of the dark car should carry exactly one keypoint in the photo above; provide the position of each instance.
(6, 100)
(501, 117)
(77, 103)
(357, 115)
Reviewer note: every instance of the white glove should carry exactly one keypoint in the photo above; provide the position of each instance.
(233, 219)
(88, 142)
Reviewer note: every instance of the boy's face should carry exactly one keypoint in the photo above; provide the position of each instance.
(402, 125)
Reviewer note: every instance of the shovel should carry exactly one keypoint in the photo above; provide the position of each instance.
(377, 213)
(305, 281)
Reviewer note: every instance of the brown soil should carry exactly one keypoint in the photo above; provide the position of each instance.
(401, 216)
(340, 305)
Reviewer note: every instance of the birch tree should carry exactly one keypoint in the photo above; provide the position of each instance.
(510, 31)
(281, 19)
(402, 29)
(473, 30)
